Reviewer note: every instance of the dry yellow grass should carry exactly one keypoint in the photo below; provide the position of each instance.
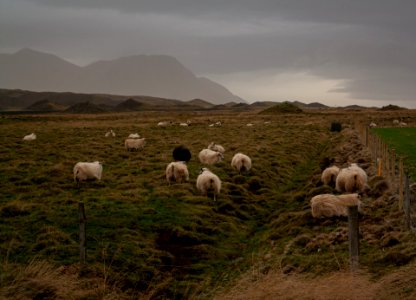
(340, 285)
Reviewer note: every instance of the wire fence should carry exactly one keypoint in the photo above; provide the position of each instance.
(391, 167)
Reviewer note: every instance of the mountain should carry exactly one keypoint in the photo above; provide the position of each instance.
(151, 75)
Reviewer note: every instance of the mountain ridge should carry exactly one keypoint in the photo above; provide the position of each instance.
(152, 75)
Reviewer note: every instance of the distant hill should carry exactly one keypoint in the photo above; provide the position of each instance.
(85, 108)
(153, 75)
(129, 105)
(391, 107)
(47, 106)
(284, 107)
(200, 103)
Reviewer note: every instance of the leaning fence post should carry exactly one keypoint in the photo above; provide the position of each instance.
(353, 240)
(82, 237)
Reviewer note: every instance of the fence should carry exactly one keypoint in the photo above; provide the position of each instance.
(390, 166)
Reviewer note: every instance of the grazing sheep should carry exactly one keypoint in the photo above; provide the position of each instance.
(134, 144)
(188, 123)
(110, 133)
(396, 122)
(216, 147)
(329, 175)
(163, 124)
(241, 162)
(207, 182)
(327, 205)
(372, 125)
(351, 179)
(29, 137)
(402, 124)
(250, 124)
(210, 157)
(177, 172)
(134, 136)
(87, 171)
(181, 153)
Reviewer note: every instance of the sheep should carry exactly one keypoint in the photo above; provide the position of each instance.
(181, 153)
(250, 124)
(216, 147)
(134, 136)
(372, 125)
(110, 133)
(134, 144)
(351, 179)
(163, 124)
(30, 137)
(210, 157)
(329, 175)
(241, 162)
(87, 171)
(402, 124)
(328, 205)
(208, 182)
(396, 122)
(177, 172)
(188, 123)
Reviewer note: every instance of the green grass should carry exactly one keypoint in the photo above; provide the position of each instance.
(403, 140)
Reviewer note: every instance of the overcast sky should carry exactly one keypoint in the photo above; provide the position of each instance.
(337, 52)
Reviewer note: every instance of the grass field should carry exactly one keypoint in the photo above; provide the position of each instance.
(403, 140)
(148, 239)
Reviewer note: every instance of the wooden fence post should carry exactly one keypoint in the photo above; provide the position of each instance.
(401, 183)
(82, 236)
(387, 160)
(407, 202)
(393, 166)
(353, 232)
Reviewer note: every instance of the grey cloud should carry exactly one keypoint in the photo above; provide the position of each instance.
(370, 44)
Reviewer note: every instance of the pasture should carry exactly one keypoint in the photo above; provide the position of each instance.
(403, 140)
(146, 238)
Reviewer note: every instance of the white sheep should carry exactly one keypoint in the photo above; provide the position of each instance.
(188, 123)
(210, 157)
(351, 179)
(396, 122)
(372, 125)
(327, 205)
(208, 182)
(134, 136)
(250, 124)
(87, 170)
(177, 172)
(329, 175)
(402, 124)
(110, 133)
(30, 137)
(163, 124)
(241, 162)
(216, 147)
(134, 144)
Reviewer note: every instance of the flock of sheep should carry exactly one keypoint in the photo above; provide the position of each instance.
(177, 171)
(351, 180)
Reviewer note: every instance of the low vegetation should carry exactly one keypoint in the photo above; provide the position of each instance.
(148, 239)
(403, 141)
